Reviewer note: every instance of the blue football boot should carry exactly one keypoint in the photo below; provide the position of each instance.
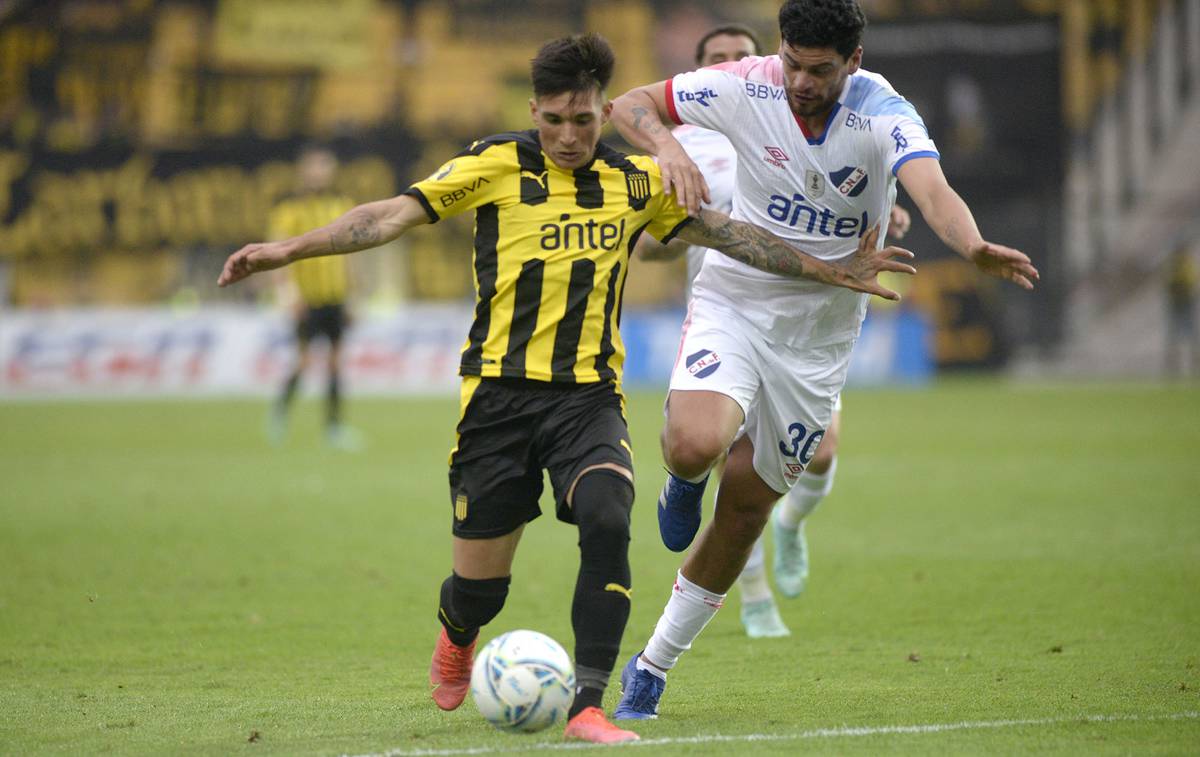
(679, 511)
(640, 691)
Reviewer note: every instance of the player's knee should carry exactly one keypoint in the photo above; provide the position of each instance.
(470, 602)
(602, 502)
(826, 452)
(821, 463)
(691, 453)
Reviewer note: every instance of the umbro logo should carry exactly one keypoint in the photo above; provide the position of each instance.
(775, 156)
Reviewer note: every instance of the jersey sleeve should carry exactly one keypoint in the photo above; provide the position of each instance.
(907, 138)
(709, 97)
(667, 217)
(903, 135)
(900, 133)
(470, 179)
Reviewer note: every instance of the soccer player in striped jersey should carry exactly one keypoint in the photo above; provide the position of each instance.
(717, 159)
(315, 292)
(557, 214)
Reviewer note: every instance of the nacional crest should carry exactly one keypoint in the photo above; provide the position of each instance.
(850, 181)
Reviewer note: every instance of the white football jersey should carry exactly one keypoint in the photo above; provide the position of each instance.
(717, 160)
(823, 193)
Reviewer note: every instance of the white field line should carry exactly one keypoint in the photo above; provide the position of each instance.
(819, 733)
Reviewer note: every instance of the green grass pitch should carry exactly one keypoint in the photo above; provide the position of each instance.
(1018, 564)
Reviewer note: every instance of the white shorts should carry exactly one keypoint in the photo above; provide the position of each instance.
(788, 394)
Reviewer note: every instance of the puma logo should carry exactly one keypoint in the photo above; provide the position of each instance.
(620, 590)
(540, 178)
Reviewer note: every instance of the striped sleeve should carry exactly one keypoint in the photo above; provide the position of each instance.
(470, 179)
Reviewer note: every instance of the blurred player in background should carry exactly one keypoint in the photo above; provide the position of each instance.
(557, 214)
(717, 159)
(821, 145)
(315, 293)
(1183, 340)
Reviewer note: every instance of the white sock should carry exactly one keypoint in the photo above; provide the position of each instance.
(695, 480)
(804, 497)
(753, 580)
(687, 613)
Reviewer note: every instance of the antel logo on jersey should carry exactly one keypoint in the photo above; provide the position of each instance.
(582, 236)
(700, 96)
(850, 181)
(703, 364)
(799, 212)
(775, 156)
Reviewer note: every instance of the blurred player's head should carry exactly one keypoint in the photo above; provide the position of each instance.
(820, 46)
(569, 106)
(316, 168)
(726, 43)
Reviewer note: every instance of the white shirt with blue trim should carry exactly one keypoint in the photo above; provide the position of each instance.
(717, 160)
(823, 193)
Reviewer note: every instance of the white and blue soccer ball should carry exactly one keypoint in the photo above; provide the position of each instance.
(523, 681)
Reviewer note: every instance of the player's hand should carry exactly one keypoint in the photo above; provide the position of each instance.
(682, 177)
(899, 222)
(864, 266)
(251, 259)
(1004, 263)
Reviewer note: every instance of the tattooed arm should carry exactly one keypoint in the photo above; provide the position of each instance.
(640, 115)
(759, 248)
(951, 220)
(361, 228)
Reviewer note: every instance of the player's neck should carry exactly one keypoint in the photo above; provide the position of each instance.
(815, 124)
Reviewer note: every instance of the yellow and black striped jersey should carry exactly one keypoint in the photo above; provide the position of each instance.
(322, 280)
(552, 251)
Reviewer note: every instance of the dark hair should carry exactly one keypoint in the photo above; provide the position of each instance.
(823, 23)
(733, 30)
(572, 64)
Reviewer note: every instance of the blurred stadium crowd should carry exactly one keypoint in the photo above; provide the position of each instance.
(142, 140)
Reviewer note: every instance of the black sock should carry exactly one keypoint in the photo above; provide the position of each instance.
(585, 697)
(469, 604)
(602, 502)
(333, 403)
(289, 391)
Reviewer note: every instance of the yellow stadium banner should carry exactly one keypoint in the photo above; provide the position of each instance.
(330, 34)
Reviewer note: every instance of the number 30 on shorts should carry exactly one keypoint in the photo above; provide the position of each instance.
(801, 444)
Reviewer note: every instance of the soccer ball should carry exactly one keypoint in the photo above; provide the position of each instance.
(523, 681)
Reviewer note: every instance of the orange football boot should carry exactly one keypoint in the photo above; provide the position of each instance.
(591, 725)
(450, 672)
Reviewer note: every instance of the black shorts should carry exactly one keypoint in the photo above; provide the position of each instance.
(328, 321)
(513, 428)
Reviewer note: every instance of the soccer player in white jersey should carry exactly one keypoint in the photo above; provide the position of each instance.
(820, 145)
(717, 160)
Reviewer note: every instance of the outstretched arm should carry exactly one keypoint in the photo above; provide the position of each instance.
(951, 220)
(361, 228)
(649, 248)
(640, 116)
(759, 248)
